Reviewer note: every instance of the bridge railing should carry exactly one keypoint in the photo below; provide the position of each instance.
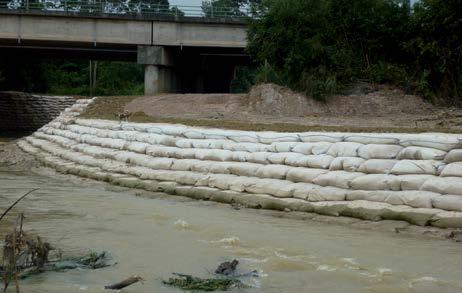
(135, 8)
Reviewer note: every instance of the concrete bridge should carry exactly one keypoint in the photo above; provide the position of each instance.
(180, 53)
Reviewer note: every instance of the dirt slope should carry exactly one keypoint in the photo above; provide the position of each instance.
(273, 107)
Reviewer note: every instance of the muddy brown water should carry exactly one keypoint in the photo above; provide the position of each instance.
(154, 237)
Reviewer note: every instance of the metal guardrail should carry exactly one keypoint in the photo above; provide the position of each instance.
(135, 8)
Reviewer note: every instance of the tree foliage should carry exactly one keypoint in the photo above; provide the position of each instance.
(325, 46)
(72, 77)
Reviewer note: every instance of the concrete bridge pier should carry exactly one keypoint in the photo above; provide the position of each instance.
(159, 73)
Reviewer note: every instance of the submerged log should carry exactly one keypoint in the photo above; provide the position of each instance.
(125, 283)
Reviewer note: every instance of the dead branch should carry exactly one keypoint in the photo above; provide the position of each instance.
(18, 200)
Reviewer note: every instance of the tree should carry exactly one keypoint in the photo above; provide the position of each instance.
(437, 46)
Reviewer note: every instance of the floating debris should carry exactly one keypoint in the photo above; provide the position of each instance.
(188, 282)
(227, 268)
(125, 283)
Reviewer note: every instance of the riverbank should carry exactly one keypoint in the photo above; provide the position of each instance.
(267, 107)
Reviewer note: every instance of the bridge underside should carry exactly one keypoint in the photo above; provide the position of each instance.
(179, 56)
(188, 70)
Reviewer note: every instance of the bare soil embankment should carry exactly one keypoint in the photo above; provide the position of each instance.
(271, 107)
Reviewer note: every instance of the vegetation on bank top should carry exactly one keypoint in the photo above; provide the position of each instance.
(324, 47)
(319, 47)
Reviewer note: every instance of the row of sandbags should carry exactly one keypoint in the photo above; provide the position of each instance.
(440, 141)
(204, 164)
(446, 149)
(158, 146)
(359, 208)
(325, 186)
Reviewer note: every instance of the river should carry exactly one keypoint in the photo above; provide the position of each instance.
(153, 237)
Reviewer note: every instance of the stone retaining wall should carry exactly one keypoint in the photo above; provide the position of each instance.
(412, 177)
(24, 112)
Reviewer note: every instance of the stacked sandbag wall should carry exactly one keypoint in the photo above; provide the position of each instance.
(23, 112)
(374, 176)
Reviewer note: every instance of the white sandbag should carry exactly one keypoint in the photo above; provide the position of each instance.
(278, 188)
(138, 147)
(244, 169)
(183, 165)
(377, 166)
(282, 147)
(160, 151)
(413, 182)
(154, 163)
(241, 156)
(201, 167)
(303, 148)
(220, 167)
(273, 171)
(340, 179)
(445, 219)
(350, 164)
(269, 137)
(372, 138)
(441, 141)
(278, 158)
(327, 194)
(184, 143)
(444, 185)
(293, 159)
(182, 153)
(202, 143)
(421, 153)
(259, 157)
(304, 174)
(452, 170)
(245, 146)
(416, 199)
(217, 143)
(321, 148)
(321, 137)
(214, 155)
(379, 151)
(453, 156)
(344, 149)
(27, 147)
(242, 136)
(240, 183)
(97, 123)
(316, 161)
(376, 182)
(187, 178)
(218, 134)
(417, 167)
(193, 134)
(220, 181)
(302, 190)
(448, 202)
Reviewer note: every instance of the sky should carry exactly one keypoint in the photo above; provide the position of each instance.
(186, 2)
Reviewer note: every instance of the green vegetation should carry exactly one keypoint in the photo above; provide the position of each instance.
(72, 77)
(187, 282)
(324, 47)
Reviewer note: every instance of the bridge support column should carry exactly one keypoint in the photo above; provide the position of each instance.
(159, 75)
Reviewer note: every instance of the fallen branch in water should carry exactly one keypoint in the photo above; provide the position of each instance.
(18, 200)
(188, 282)
(125, 283)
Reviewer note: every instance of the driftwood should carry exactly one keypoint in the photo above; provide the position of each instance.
(125, 283)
